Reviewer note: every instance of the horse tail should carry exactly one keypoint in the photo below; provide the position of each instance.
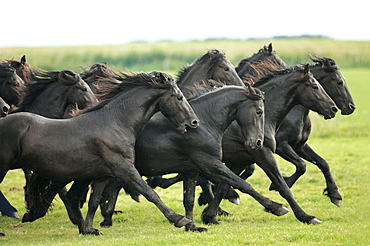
(40, 193)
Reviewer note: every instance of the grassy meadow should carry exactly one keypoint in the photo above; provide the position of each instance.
(343, 141)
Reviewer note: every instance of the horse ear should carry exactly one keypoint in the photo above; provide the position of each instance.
(23, 59)
(270, 48)
(306, 69)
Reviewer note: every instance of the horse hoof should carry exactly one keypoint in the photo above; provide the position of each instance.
(210, 221)
(235, 201)
(314, 221)
(199, 229)
(105, 224)
(183, 222)
(281, 211)
(335, 201)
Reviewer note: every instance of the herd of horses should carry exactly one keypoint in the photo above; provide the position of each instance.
(106, 129)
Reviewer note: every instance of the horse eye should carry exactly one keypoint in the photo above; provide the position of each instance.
(226, 69)
(340, 83)
(84, 89)
(180, 98)
(315, 87)
(259, 112)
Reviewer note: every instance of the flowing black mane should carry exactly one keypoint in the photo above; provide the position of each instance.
(212, 56)
(279, 73)
(129, 81)
(265, 51)
(98, 70)
(328, 64)
(42, 80)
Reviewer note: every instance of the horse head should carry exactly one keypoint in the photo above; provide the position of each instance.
(11, 85)
(328, 74)
(251, 117)
(78, 93)
(174, 105)
(313, 95)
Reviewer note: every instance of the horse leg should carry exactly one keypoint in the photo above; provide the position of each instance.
(155, 181)
(74, 194)
(286, 151)
(213, 167)
(190, 182)
(266, 160)
(63, 196)
(210, 212)
(128, 173)
(207, 194)
(110, 197)
(331, 190)
(248, 171)
(95, 197)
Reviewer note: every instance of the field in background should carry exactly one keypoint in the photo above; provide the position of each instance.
(170, 56)
(343, 141)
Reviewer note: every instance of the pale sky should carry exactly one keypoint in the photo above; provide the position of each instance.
(89, 22)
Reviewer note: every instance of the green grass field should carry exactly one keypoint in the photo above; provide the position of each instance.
(343, 141)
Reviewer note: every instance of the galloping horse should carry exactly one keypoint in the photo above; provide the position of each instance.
(70, 149)
(159, 150)
(295, 129)
(283, 90)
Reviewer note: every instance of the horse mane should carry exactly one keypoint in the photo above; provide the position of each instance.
(266, 51)
(260, 70)
(328, 64)
(212, 56)
(276, 73)
(42, 80)
(128, 81)
(202, 88)
(97, 70)
(39, 191)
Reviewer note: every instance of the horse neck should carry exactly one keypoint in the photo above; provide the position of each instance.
(194, 73)
(280, 98)
(217, 109)
(51, 103)
(132, 109)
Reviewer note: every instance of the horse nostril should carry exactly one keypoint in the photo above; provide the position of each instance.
(352, 106)
(334, 109)
(5, 109)
(194, 123)
(259, 143)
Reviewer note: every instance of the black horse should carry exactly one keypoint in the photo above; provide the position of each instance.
(295, 129)
(302, 89)
(11, 85)
(160, 150)
(4, 108)
(98, 144)
(285, 89)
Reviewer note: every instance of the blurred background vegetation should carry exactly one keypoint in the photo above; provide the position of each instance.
(170, 56)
